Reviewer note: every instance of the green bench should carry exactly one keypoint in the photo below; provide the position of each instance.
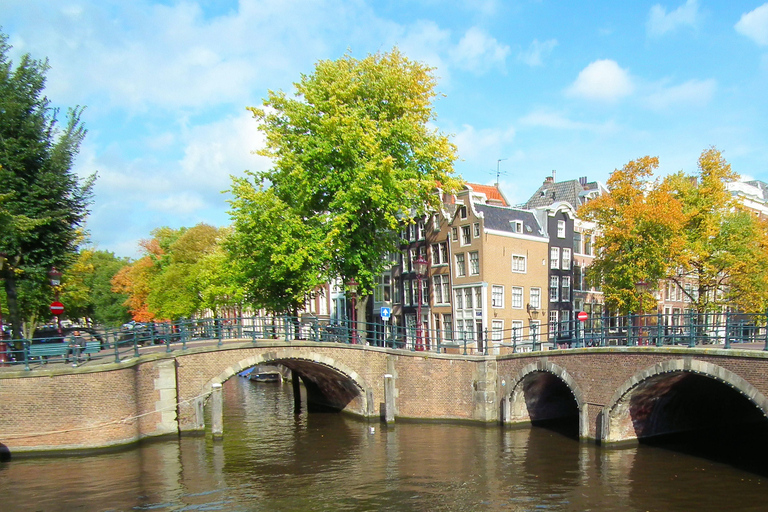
(45, 350)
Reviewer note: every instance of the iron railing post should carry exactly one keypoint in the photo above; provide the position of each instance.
(728, 322)
(659, 330)
(691, 334)
(25, 347)
(135, 343)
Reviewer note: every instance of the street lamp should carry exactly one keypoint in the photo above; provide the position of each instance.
(420, 266)
(55, 277)
(352, 286)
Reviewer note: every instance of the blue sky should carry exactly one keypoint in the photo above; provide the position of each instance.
(579, 88)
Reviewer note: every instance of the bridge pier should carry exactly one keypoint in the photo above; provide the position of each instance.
(217, 408)
(296, 385)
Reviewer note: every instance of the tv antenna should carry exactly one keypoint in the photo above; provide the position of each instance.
(498, 173)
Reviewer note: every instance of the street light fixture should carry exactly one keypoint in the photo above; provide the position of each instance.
(352, 287)
(420, 267)
(55, 277)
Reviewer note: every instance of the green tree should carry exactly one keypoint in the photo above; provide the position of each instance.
(354, 158)
(45, 201)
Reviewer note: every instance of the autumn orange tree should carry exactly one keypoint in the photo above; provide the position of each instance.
(639, 222)
(683, 228)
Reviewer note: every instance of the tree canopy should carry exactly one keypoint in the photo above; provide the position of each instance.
(44, 204)
(354, 158)
(687, 229)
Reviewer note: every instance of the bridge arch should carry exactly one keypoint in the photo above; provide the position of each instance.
(648, 403)
(329, 383)
(544, 390)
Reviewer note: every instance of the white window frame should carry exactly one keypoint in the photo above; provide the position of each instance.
(497, 296)
(554, 288)
(516, 226)
(534, 297)
(566, 258)
(466, 235)
(476, 229)
(565, 286)
(461, 265)
(554, 257)
(474, 263)
(497, 331)
(518, 293)
(519, 264)
(561, 229)
(435, 248)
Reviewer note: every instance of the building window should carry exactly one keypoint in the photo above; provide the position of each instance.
(444, 252)
(535, 296)
(577, 243)
(468, 298)
(437, 284)
(459, 299)
(435, 254)
(565, 283)
(474, 263)
(396, 294)
(553, 324)
(518, 264)
(554, 257)
(465, 235)
(463, 212)
(461, 268)
(517, 329)
(436, 222)
(424, 291)
(578, 278)
(588, 244)
(566, 258)
(454, 234)
(407, 293)
(516, 226)
(517, 297)
(497, 330)
(554, 288)
(476, 227)
(421, 233)
(448, 327)
(383, 290)
(561, 229)
(497, 296)
(479, 298)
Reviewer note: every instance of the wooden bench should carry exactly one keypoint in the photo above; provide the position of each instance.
(46, 350)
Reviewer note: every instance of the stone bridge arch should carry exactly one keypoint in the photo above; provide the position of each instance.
(543, 390)
(330, 383)
(637, 408)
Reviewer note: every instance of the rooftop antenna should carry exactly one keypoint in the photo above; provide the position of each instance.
(497, 170)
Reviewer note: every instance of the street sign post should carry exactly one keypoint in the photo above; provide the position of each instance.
(57, 308)
(386, 313)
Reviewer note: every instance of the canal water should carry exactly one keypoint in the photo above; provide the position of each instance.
(272, 460)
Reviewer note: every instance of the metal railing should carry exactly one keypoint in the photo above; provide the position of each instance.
(717, 330)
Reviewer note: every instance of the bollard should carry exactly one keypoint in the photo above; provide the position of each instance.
(217, 408)
(389, 398)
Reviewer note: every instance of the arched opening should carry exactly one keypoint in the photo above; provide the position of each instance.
(543, 399)
(694, 413)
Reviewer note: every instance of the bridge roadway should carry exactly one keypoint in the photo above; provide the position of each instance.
(616, 394)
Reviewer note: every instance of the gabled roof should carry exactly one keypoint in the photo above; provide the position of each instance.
(499, 218)
(492, 193)
(574, 192)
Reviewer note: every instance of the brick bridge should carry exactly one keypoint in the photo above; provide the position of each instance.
(616, 394)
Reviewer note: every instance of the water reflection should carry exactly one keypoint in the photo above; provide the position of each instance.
(271, 459)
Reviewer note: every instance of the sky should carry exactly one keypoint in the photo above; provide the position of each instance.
(528, 88)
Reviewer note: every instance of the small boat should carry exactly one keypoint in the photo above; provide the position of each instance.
(266, 377)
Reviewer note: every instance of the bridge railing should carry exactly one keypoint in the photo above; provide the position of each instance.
(720, 330)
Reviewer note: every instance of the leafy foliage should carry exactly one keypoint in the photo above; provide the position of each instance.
(354, 158)
(44, 204)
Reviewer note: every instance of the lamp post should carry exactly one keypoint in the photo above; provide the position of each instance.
(352, 286)
(642, 288)
(532, 314)
(55, 277)
(420, 266)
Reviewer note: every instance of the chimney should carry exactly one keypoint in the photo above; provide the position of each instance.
(549, 179)
(583, 181)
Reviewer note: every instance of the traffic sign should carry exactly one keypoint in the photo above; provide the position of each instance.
(386, 313)
(57, 308)
(582, 316)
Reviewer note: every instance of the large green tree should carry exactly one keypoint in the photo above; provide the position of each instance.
(354, 158)
(45, 203)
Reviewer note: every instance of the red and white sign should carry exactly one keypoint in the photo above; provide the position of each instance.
(57, 308)
(582, 316)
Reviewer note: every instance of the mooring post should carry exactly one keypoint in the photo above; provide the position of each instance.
(389, 398)
(296, 392)
(217, 420)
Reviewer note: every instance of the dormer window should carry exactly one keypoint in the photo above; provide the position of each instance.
(517, 226)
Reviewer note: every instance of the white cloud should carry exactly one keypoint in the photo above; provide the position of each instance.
(555, 120)
(602, 80)
(754, 25)
(692, 92)
(476, 145)
(660, 22)
(478, 52)
(537, 51)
